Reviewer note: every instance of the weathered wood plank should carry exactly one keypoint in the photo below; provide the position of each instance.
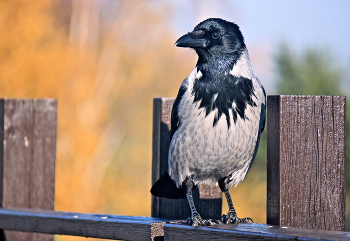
(208, 199)
(17, 156)
(27, 157)
(44, 154)
(306, 161)
(146, 228)
(250, 231)
(273, 157)
(78, 224)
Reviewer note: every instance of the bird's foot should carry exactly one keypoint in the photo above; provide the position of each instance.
(196, 221)
(231, 217)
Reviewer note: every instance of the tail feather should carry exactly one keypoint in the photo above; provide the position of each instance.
(166, 187)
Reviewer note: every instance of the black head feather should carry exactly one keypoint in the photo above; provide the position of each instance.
(223, 39)
(219, 45)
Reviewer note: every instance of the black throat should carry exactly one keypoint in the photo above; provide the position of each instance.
(219, 90)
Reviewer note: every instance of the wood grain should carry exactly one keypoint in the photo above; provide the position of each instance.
(28, 152)
(208, 199)
(44, 154)
(309, 161)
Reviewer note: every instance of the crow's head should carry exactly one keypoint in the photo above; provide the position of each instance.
(214, 38)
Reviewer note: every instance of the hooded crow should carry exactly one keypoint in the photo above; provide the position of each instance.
(217, 118)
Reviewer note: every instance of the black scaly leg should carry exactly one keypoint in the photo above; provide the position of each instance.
(231, 216)
(195, 220)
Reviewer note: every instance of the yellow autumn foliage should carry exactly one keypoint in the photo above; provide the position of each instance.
(104, 72)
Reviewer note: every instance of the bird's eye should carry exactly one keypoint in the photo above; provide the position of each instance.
(215, 35)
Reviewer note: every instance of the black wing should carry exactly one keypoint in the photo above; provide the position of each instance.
(166, 187)
(263, 113)
(175, 122)
(261, 129)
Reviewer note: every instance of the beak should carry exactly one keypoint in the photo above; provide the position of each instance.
(187, 41)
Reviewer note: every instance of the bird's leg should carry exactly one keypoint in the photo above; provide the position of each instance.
(195, 220)
(231, 216)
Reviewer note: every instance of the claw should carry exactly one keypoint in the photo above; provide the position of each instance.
(231, 217)
(196, 221)
(245, 220)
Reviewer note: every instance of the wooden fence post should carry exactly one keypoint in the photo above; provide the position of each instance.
(27, 158)
(306, 161)
(208, 199)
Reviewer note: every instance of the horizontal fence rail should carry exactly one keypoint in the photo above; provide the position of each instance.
(146, 228)
(78, 224)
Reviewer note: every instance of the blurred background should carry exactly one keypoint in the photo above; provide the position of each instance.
(105, 60)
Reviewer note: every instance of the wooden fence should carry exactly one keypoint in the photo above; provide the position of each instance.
(305, 178)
